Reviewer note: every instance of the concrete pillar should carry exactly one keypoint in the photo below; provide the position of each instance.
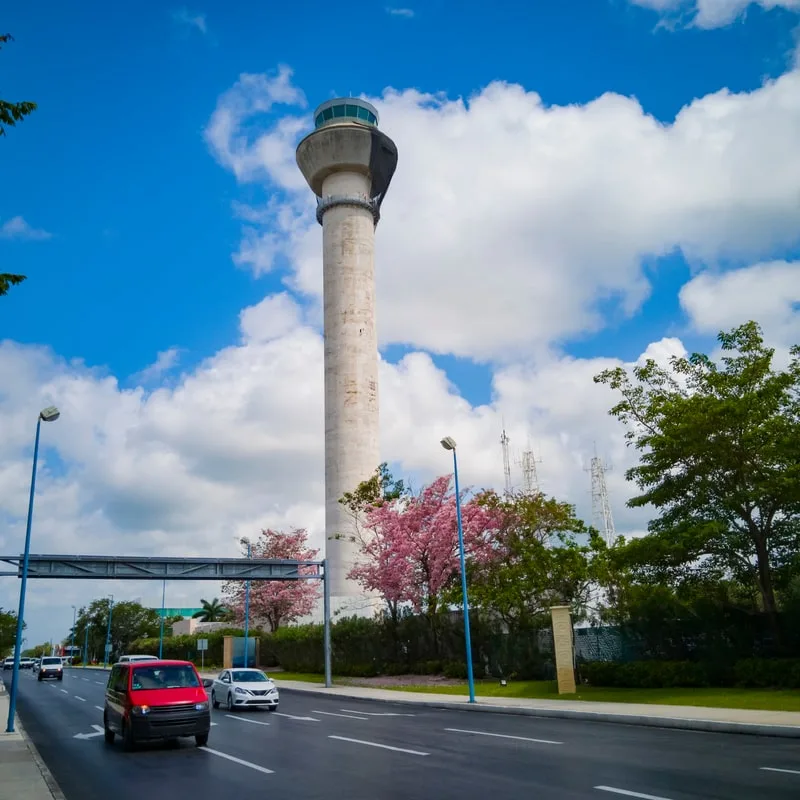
(348, 164)
(352, 449)
(564, 649)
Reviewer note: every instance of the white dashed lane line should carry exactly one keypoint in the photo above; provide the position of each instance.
(382, 746)
(244, 719)
(502, 736)
(375, 713)
(628, 793)
(82, 699)
(346, 716)
(778, 769)
(240, 761)
(65, 691)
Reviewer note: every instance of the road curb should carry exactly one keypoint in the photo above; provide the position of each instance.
(676, 723)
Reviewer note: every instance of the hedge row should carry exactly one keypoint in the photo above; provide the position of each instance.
(774, 673)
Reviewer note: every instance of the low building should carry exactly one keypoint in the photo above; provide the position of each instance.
(190, 626)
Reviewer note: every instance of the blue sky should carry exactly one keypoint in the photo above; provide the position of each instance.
(114, 165)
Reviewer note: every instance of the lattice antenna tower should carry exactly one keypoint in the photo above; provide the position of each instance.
(530, 475)
(506, 461)
(602, 518)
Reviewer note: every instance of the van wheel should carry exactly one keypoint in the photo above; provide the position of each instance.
(201, 739)
(214, 701)
(128, 742)
(108, 734)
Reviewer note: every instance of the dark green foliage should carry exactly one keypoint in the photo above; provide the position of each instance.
(368, 647)
(776, 673)
(185, 647)
(8, 631)
(720, 461)
(212, 611)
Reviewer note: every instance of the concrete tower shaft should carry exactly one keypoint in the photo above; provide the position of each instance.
(348, 163)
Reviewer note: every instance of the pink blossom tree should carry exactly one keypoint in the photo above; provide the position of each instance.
(409, 545)
(276, 602)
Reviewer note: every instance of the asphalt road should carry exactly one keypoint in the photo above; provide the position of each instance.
(319, 748)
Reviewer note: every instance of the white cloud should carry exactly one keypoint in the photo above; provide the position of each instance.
(714, 13)
(190, 19)
(18, 228)
(768, 293)
(406, 13)
(165, 361)
(511, 225)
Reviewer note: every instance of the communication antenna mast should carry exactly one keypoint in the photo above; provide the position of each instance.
(602, 518)
(530, 475)
(506, 461)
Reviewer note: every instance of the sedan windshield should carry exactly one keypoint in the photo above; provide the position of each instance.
(47, 661)
(171, 677)
(249, 676)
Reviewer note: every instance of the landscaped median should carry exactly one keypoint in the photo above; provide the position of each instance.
(756, 711)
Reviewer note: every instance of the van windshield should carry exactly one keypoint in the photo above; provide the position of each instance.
(46, 661)
(178, 676)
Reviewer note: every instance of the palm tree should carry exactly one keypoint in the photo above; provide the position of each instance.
(211, 612)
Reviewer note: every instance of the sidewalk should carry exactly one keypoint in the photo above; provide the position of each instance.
(721, 720)
(23, 775)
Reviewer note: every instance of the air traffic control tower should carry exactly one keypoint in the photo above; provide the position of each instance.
(348, 163)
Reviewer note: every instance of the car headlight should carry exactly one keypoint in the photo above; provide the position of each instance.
(239, 690)
(140, 711)
(201, 706)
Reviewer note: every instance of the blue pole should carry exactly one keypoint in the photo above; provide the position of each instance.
(326, 606)
(246, 610)
(72, 643)
(161, 635)
(108, 632)
(467, 637)
(12, 700)
(86, 645)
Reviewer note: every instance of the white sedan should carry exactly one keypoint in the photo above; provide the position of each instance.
(244, 688)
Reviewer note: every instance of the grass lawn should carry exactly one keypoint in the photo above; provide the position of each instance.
(767, 699)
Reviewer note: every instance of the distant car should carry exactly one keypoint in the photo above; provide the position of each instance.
(244, 688)
(51, 667)
(156, 700)
(36, 664)
(26, 663)
(8, 663)
(136, 659)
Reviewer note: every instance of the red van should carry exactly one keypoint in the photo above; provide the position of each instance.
(156, 700)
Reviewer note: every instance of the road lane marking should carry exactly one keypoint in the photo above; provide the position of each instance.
(85, 679)
(82, 699)
(98, 731)
(630, 794)
(290, 716)
(383, 746)
(503, 736)
(100, 708)
(238, 761)
(778, 769)
(244, 719)
(372, 713)
(65, 691)
(99, 683)
(347, 716)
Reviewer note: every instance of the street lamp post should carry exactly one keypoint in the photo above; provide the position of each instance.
(449, 444)
(161, 635)
(72, 642)
(85, 645)
(247, 605)
(107, 651)
(49, 414)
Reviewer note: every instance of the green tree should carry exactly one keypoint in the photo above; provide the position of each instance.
(539, 561)
(720, 461)
(212, 611)
(129, 621)
(10, 115)
(8, 631)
